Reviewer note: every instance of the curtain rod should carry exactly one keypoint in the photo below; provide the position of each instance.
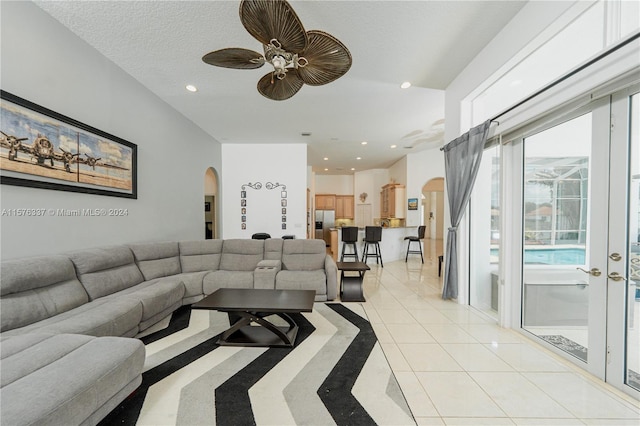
(566, 76)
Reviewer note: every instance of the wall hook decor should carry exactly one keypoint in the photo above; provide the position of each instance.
(363, 197)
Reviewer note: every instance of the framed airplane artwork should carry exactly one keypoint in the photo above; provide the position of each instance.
(40, 148)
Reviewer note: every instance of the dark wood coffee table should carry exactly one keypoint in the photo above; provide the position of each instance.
(253, 306)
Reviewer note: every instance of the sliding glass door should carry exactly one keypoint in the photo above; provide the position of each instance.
(623, 331)
(484, 288)
(581, 237)
(558, 212)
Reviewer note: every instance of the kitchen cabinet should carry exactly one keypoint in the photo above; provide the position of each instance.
(345, 207)
(392, 201)
(325, 202)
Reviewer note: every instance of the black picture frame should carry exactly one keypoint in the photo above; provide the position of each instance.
(33, 154)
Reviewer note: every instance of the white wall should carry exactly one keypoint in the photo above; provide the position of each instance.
(421, 168)
(398, 171)
(532, 19)
(370, 182)
(45, 63)
(334, 184)
(285, 164)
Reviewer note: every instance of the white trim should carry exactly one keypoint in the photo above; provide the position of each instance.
(611, 74)
(571, 14)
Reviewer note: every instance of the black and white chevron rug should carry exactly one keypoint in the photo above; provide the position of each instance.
(335, 374)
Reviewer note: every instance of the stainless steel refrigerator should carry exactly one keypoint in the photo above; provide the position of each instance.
(325, 220)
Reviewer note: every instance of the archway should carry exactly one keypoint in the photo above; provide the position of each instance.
(433, 216)
(210, 204)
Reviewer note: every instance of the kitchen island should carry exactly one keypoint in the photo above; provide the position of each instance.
(392, 246)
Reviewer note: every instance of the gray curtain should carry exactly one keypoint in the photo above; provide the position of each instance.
(462, 158)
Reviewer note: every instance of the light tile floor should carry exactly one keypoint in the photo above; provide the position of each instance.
(457, 367)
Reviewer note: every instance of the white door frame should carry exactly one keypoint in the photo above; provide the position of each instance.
(616, 368)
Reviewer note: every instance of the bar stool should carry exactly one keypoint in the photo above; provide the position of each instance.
(372, 236)
(349, 237)
(418, 239)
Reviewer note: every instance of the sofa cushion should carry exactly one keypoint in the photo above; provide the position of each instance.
(273, 249)
(34, 289)
(303, 255)
(157, 296)
(227, 279)
(85, 372)
(241, 254)
(157, 260)
(198, 256)
(103, 271)
(102, 317)
(192, 283)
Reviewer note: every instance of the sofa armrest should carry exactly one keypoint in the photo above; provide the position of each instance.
(264, 275)
(331, 271)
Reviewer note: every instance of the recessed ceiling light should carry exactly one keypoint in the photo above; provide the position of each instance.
(326, 170)
(393, 146)
(191, 88)
(405, 85)
(358, 158)
(363, 143)
(326, 158)
(353, 168)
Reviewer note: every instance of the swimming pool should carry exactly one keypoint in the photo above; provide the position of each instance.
(552, 256)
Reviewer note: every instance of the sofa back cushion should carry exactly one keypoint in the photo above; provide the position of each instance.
(157, 260)
(303, 255)
(197, 256)
(37, 288)
(104, 271)
(273, 249)
(241, 254)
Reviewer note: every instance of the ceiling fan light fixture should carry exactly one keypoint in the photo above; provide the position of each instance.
(298, 56)
(279, 63)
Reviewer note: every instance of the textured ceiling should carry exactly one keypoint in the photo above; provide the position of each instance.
(161, 43)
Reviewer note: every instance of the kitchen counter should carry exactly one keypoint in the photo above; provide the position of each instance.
(392, 246)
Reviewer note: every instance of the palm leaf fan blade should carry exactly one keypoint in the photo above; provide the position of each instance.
(328, 58)
(271, 87)
(236, 58)
(266, 20)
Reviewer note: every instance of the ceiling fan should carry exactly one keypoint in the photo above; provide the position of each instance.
(298, 57)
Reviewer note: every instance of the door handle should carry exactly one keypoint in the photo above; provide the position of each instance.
(615, 257)
(594, 271)
(616, 276)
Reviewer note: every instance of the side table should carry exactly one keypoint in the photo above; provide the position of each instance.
(351, 286)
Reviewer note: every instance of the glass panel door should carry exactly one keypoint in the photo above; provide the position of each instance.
(581, 238)
(485, 236)
(623, 331)
(556, 208)
(632, 338)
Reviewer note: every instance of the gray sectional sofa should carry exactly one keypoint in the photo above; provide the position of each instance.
(67, 321)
